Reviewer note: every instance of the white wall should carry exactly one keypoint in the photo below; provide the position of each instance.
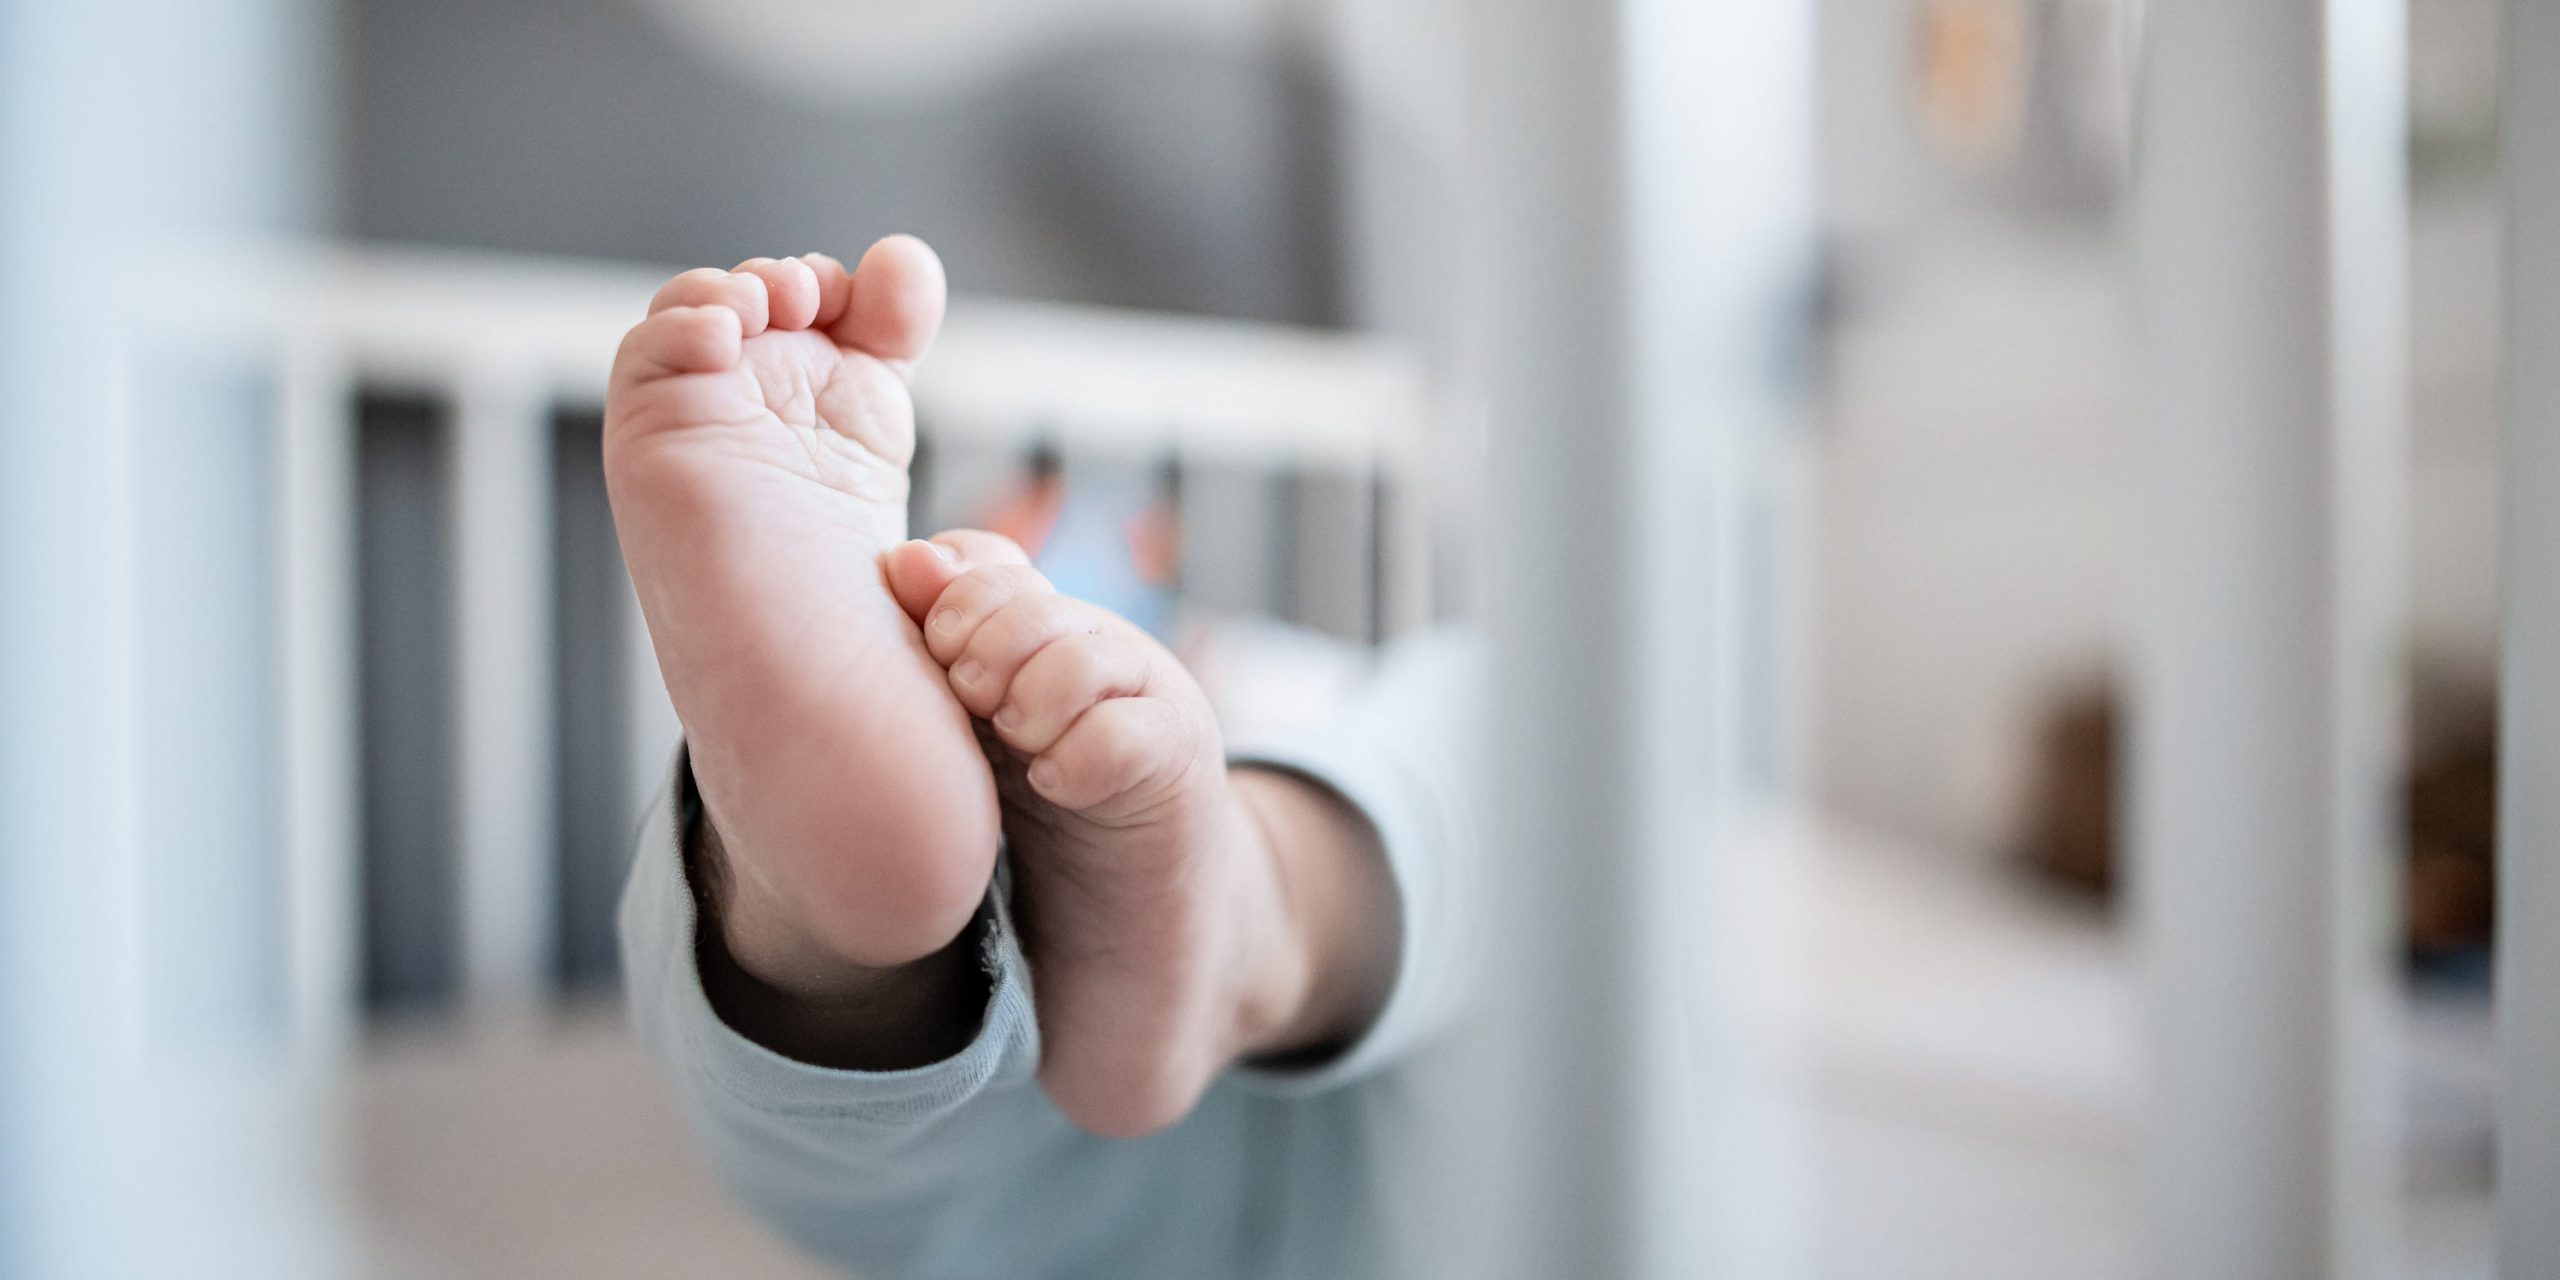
(1973, 455)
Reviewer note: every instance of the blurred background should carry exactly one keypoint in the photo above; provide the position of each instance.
(333, 714)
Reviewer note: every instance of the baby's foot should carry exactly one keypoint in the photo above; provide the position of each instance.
(756, 440)
(1148, 901)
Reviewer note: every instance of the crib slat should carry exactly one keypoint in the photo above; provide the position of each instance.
(125, 955)
(1572, 767)
(1639, 1135)
(316, 418)
(2368, 201)
(2528, 977)
(500, 333)
(1392, 492)
(504, 711)
(2269, 234)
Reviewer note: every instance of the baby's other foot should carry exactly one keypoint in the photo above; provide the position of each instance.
(1145, 893)
(757, 433)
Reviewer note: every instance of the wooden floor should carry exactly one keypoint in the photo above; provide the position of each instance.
(554, 1153)
(1965, 1112)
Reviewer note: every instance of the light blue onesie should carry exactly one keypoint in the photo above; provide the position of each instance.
(963, 1169)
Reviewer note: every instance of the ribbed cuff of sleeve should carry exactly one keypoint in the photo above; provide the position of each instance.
(673, 1012)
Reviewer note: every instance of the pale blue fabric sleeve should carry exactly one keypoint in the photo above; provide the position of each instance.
(962, 1168)
(956, 1169)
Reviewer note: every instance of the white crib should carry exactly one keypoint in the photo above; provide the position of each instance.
(505, 345)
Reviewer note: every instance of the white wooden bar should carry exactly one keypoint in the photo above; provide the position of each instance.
(2528, 972)
(1005, 371)
(503, 609)
(1638, 253)
(1577, 808)
(1406, 597)
(2369, 378)
(2269, 243)
(316, 547)
(1722, 250)
(125, 948)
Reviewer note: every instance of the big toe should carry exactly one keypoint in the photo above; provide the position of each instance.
(896, 303)
(917, 571)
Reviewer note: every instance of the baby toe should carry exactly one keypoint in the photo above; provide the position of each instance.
(791, 290)
(1122, 756)
(712, 287)
(1068, 676)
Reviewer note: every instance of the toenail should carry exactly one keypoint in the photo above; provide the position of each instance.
(1044, 774)
(946, 621)
(1009, 719)
(969, 672)
(943, 553)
